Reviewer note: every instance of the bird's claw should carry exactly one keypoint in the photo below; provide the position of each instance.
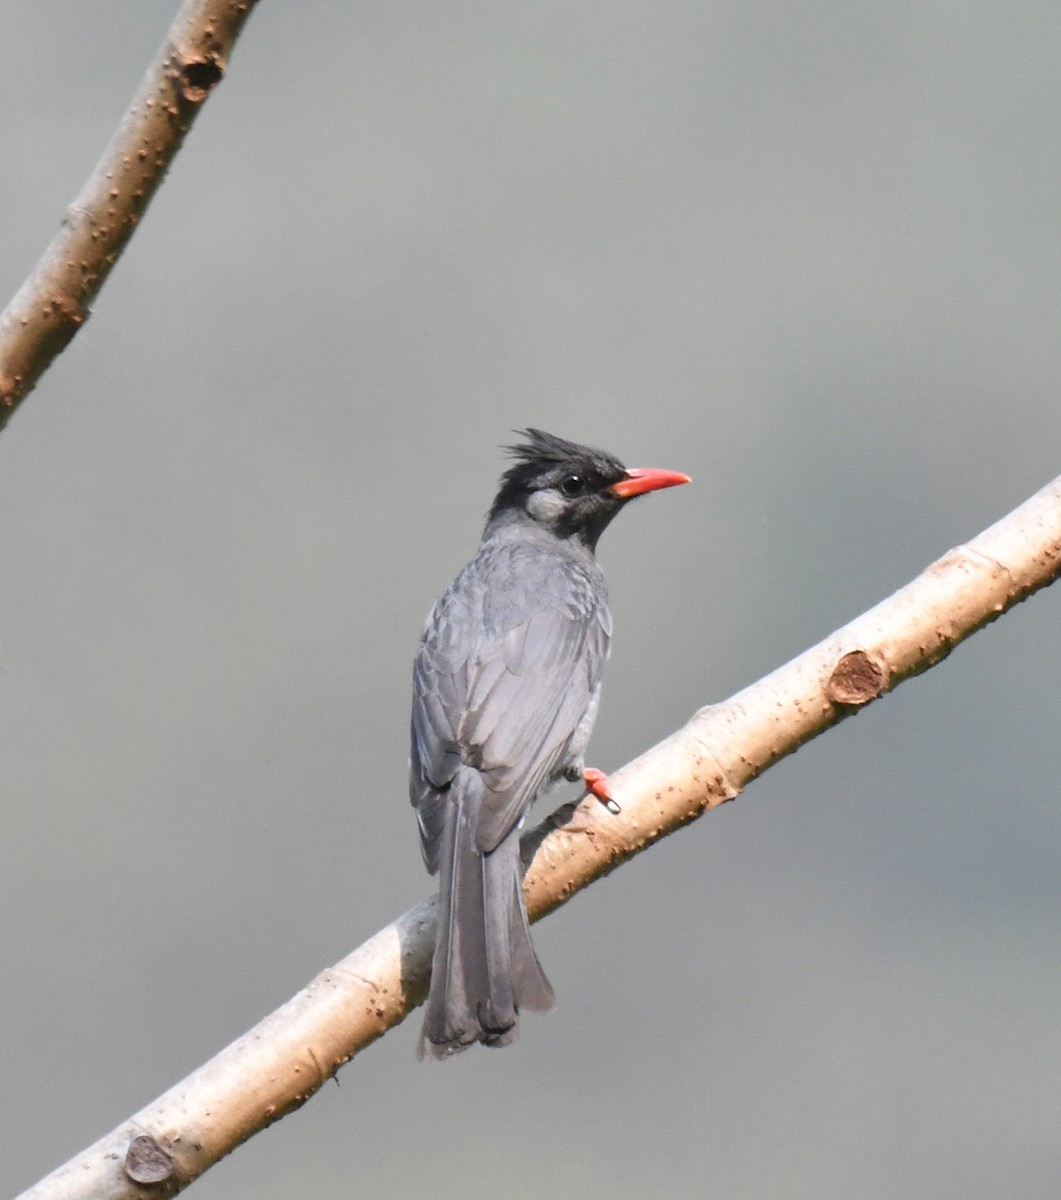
(597, 783)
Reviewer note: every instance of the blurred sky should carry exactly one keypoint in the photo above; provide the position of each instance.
(808, 253)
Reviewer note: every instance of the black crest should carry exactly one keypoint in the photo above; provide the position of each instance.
(545, 458)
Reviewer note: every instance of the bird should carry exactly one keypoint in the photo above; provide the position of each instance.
(506, 685)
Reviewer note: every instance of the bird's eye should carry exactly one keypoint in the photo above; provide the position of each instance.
(573, 485)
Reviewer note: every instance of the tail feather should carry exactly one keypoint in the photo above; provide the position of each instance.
(484, 969)
(534, 990)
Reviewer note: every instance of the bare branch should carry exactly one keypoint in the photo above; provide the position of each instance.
(54, 302)
(280, 1063)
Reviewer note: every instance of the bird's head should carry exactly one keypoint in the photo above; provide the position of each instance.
(573, 491)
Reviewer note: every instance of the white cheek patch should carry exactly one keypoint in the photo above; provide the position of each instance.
(545, 507)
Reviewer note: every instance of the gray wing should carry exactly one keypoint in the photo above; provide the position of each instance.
(502, 681)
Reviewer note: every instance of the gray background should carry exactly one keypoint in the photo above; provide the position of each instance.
(807, 252)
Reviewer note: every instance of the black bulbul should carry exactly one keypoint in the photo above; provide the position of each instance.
(505, 690)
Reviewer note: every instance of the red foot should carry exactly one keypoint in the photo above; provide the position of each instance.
(597, 783)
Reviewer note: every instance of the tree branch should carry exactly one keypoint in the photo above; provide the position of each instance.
(280, 1063)
(54, 302)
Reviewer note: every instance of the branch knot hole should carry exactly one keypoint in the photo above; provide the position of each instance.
(199, 77)
(146, 1162)
(856, 679)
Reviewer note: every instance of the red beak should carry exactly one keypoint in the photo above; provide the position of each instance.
(646, 479)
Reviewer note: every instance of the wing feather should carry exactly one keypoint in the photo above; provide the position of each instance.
(508, 668)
